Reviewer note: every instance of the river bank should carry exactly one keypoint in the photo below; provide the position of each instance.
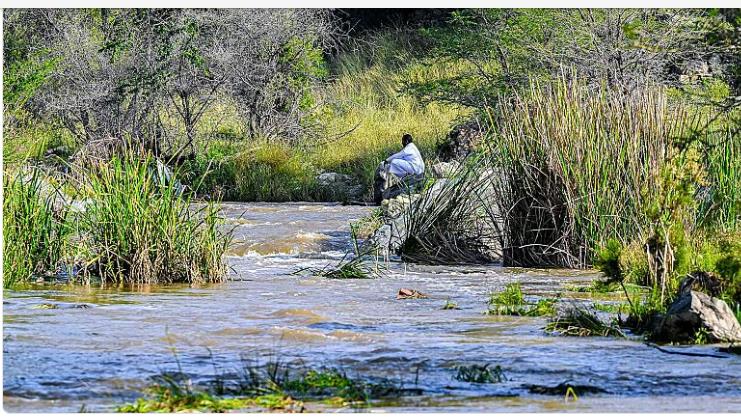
(104, 354)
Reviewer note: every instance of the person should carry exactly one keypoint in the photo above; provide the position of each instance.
(399, 171)
(407, 161)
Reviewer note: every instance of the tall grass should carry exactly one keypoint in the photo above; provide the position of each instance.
(582, 166)
(446, 225)
(34, 232)
(143, 230)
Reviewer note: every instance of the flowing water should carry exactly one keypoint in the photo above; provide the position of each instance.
(69, 346)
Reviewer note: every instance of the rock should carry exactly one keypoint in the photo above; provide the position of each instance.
(461, 141)
(389, 237)
(562, 388)
(395, 207)
(445, 169)
(693, 311)
(340, 185)
(333, 178)
(405, 293)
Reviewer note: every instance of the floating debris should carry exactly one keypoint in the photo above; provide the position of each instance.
(405, 293)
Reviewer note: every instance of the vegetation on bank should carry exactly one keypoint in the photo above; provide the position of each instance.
(143, 228)
(125, 223)
(34, 231)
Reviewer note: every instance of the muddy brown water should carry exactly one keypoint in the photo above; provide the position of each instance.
(63, 358)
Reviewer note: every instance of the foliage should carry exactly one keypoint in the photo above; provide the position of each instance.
(151, 74)
(445, 224)
(512, 302)
(349, 267)
(578, 321)
(34, 230)
(170, 396)
(577, 173)
(480, 374)
(505, 49)
(143, 229)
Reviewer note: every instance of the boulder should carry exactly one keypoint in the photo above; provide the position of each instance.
(389, 237)
(693, 311)
(395, 207)
(340, 185)
(333, 178)
(461, 141)
(445, 169)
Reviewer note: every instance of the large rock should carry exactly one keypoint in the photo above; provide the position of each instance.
(340, 185)
(693, 311)
(445, 169)
(395, 207)
(461, 141)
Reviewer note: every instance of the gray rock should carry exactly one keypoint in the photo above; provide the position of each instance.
(694, 310)
(333, 178)
(445, 169)
(340, 185)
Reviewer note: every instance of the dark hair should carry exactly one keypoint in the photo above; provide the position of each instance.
(406, 139)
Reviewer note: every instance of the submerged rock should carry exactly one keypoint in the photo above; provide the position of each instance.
(563, 388)
(694, 311)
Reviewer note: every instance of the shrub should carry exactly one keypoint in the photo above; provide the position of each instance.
(34, 233)
(143, 229)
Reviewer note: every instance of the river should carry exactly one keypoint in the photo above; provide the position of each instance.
(99, 347)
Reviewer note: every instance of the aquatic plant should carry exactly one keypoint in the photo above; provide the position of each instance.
(480, 374)
(171, 396)
(511, 302)
(450, 305)
(349, 267)
(145, 229)
(578, 321)
(34, 230)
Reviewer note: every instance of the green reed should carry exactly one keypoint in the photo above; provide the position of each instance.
(34, 232)
(145, 229)
(580, 166)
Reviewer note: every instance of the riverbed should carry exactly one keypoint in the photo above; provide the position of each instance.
(67, 348)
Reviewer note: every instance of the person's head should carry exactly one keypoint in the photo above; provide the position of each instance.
(406, 139)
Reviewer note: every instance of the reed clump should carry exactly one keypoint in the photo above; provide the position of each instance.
(34, 231)
(142, 228)
(579, 321)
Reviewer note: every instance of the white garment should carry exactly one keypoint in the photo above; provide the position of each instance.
(407, 161)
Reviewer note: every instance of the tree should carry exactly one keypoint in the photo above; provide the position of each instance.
(149, 75)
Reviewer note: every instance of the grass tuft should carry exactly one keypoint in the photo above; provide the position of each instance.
(578, 321)
(511, 302)
(480, 374)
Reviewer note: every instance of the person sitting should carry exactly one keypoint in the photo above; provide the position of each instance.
(405, 167)
(407, 161)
